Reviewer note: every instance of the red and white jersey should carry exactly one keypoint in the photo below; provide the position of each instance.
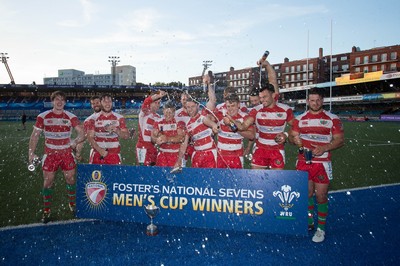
(229, 142)
(181, 116)
(269, 122)
(98, 122)
(169, 129)
(146, 124)
(57, 129)
(200, 134)
(317, 129)
(86, 123)
(222, 106)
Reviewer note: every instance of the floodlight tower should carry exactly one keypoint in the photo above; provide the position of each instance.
(206, 64)
(4, 58)
(114, 61)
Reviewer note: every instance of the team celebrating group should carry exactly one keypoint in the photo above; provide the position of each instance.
(211, 135)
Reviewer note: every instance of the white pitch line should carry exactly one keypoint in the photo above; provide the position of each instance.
(386, 144)
(370, 140)
(363, 188)
(24, 226)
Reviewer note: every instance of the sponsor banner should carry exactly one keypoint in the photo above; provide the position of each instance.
(358, 78)
(390, 117)
(364, 97)
(394, 75)
(226, 199)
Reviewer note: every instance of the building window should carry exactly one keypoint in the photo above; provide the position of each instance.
(298, 77)
(374, 68)
(393, 67)
(383, 67)
(310, 67)
(384, 57)
(343, 58)
(393, 55)
(366, 59)
(366, 69)
(345, 67)
(292, 69)
(305, 76)
(357, 61)
(374, 58)
(293, 77)
(357, 69)
(311, 75)
(305, 67)
(298, 68)
(334, 59)
(286, 69)
(335, 68)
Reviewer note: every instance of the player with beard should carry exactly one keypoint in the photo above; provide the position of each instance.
(270, 119)
(95, 103)
(103, 133)
(56, 125)
(317, 132)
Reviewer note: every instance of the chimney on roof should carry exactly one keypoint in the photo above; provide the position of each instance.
(321, 53)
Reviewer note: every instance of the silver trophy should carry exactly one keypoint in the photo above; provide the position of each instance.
(151, 211)
(35, 162)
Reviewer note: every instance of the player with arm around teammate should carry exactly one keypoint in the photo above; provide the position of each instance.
(105, 128)
(95, 104)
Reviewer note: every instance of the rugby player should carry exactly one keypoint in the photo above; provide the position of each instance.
(56, 125)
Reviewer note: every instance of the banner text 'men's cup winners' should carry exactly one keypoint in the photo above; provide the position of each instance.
(227, 200)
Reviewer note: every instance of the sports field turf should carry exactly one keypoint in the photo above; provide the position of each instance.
(370, 157)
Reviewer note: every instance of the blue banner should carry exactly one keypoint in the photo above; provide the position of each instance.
(269, 201)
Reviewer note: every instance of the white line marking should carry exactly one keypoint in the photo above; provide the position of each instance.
(24, 226)
(387, 144)
(364, 188)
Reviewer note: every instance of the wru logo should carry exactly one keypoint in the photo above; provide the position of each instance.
(286, 195)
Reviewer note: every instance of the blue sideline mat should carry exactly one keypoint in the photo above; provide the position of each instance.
(362, 229)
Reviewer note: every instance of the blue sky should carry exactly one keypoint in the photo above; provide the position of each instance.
(169, 40)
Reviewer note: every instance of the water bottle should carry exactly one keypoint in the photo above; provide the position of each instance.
(233, 127)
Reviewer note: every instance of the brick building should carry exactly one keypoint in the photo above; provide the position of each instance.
(310, 71)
